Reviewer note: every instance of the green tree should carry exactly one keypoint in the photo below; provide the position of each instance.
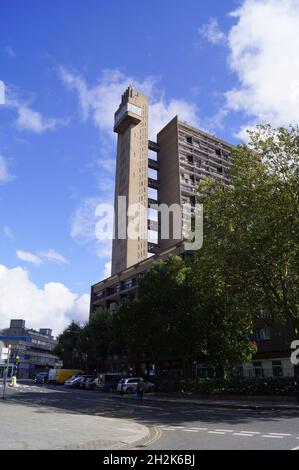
(183, 314)
(98, 338)
(70, 346)
(251, 228)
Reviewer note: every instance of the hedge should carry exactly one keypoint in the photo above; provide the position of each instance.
(254, 386)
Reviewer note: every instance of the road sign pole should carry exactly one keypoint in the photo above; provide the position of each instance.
(5, 373)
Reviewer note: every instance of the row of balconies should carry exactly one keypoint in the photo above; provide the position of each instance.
(203, 143)
(117, 289)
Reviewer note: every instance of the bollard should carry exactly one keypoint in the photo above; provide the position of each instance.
(13, 381)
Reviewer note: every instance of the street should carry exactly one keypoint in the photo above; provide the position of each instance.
(54, 417)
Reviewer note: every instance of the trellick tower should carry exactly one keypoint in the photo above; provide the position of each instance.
(131, 180)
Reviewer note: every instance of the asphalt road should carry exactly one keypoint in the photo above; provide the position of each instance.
(173, 426)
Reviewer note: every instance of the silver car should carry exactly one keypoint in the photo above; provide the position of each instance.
(129, 385)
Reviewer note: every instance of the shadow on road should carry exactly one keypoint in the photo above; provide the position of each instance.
(148, 412)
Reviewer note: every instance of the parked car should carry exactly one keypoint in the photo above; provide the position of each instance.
(129, 385)
(41, 378)
(77, 381)
(107, 382)
(69, 382)
(85, 378)
(91, 383)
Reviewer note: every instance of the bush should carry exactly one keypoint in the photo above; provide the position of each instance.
(272, 386)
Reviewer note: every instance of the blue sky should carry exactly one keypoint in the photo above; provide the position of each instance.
(64, 65)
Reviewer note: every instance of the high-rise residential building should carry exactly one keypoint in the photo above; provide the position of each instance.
(149, 174)
(186, 156)
(131, 125)
(167, 172)
(162, 172)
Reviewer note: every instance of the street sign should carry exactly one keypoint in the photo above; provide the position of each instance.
(4, 354)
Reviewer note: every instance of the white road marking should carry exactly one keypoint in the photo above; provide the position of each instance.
(270, 435)
(224, 430)
(200, 429)
(189, 430)
(250, 432)
(164, 426)
(168, 429)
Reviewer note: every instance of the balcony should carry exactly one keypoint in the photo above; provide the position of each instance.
(152, 183)
(188, 187)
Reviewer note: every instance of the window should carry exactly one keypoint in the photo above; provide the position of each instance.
(190, 159)
(258, 369)
(277, 369)
(152, 214)
(262, 334)
(218, 152)
(189, 140)
(153, 174)
(153, 236)
(152, 194)
(127, 284)
(193, 200)
(153, 155)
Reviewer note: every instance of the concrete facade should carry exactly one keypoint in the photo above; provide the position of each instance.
(34, 348)
(131, 125)
(168, 172)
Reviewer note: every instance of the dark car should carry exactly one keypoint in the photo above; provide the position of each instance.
(107, 382)
(91, 383)
(85, 379)
(41, 378)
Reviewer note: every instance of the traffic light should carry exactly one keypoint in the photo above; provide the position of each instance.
(16, 368)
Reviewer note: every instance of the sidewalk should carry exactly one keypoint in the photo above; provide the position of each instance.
(228, 402)
(39, 426)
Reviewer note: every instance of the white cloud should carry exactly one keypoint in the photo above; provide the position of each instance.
(53, 306)
(5, 176)
(8, 232)
(212, 32)
(39, 258)
(83, 227)
(107, 270)
(264, 46)
(107, 164)
(10, 51)
(29, 119)
(53, 256)
(101, 101)
(84, 220)
(29, 257)
(35, 122)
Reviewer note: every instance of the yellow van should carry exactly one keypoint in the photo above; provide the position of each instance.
(59, 376)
